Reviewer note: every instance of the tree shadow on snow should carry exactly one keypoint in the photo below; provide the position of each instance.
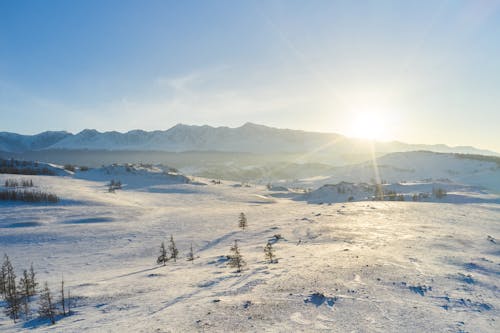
(319, 299)
(38, 322)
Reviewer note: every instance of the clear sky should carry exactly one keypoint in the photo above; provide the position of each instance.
(415, 71)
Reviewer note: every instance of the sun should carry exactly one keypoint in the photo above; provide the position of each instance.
(368, 125)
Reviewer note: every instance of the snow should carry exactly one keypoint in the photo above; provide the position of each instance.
(367, 266)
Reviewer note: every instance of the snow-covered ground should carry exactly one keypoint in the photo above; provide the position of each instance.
(367, 266)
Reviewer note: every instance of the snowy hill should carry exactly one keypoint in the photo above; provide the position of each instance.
(431, 191)
(418, 166)
(251, 138)
(134, 176)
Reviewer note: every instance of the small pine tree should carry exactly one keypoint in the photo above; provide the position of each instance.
(25, 292)
(269, 253)
(47, 307)
(242, 221)
(11, 296)
(235, 258)
(190, 256)
(3, 280)
(63, 301)
(13, 303)
(163, 257)
(32, 281)
(10, 276)
(173, 249)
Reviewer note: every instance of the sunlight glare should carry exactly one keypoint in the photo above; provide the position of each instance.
(368, 125)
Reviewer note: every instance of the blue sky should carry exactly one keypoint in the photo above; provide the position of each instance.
(419, 71)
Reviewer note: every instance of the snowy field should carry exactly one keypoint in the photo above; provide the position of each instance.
(365, 266)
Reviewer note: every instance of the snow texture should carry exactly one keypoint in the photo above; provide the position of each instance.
(363, 266)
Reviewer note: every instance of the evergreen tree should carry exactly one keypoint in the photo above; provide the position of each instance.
(63, 301)
(11, 296)
(235, 258)
(3, 280)
(25, 284)
(173, 249)
(47, 307)
(25, 291)
(32, 280)
(242, 221)
(269, 253)
(163, 257)
(191, 254)
(13, 303)
(3, 275)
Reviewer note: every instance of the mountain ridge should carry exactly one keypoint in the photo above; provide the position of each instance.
(250, 138)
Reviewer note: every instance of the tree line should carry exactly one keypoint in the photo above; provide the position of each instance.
(18, 296)
(12, 166)
(18, 183)
(28, 196)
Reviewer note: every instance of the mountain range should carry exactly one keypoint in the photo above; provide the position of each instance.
(249, 138)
